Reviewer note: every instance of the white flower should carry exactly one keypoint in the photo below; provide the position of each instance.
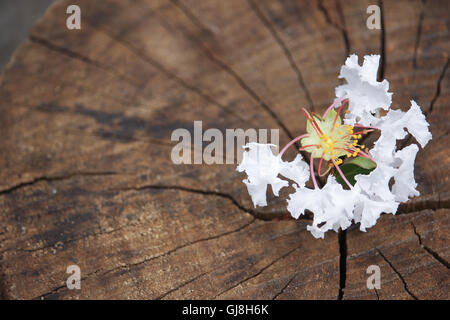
(324, 202)
(263, 168)
(365, 93)
(405, 185)
(328, 140)
(367, 211)
(392, 127)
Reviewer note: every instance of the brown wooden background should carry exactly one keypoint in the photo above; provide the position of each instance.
(85, 170)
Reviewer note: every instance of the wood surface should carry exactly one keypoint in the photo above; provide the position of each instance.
(86, 176)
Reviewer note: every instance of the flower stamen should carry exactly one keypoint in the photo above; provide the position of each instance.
(311, 169)
(342, 175)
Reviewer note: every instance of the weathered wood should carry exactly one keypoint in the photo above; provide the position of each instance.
(86, 173)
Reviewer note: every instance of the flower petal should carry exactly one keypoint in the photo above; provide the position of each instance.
(405, 185)
(332, 206)
(263, 167)
(365, 93)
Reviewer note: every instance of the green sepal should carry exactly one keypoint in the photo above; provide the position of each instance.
(350, 169)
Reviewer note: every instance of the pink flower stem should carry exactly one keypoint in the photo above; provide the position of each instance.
(365, 155)
(292, 142)
(342, 175)
(311, 169)
(308, 146)
(319, 170)
(333, 105)
(337, 115)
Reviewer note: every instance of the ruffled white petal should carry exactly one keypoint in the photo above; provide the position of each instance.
(365, 93)
(405, 185)
(332, 206)
(392, 127)
(367, 211)
(296, 170)
(417, 125)
(263, 167)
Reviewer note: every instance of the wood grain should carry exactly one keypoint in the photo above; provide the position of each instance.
(87, 178)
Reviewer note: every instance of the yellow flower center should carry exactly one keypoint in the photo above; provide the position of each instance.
(329, 138)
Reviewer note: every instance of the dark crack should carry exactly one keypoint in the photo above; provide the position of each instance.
(257, 214)
(266, 22)
(180, 286)
(433, 253)
(55, 178)
(191, 16)
(382, 70)
(188, 244)
(341, 28)
(51, 292)
(284, 287)
(433, 100)
(376, 293)
(342, 238)
(177, 79)
(234, 74)
(398, 274)
(143, 261)
(259, 272)
(418, 35)
(65, 242)
(431, 202)
(77, 56)
(438, 88)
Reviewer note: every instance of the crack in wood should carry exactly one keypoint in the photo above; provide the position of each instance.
(188, 244)
(154, 63)
(376, 293)
(240, 81)
(431, 202)
(65, 242)
(270, 216)
(191, 16)
(143, 261)
(418, 35)
(53, 291)
(285, 287)
(382, 68)
(80, 57)
(56, 178)
(438, 87)
(259, 272)
(162, 296)
(266, 22)
(342, 29)
(342, 241)
(431, 252)
(433, 100)
(405, 286)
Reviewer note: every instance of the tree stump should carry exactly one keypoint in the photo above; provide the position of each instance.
(87, 178)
